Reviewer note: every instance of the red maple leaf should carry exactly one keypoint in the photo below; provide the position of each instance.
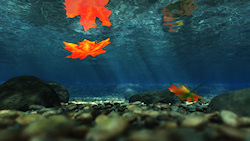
(88, 10)
(86, 48)
(184, 94)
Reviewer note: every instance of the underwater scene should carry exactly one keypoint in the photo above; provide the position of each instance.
(125, 70)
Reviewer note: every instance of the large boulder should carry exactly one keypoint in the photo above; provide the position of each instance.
(151, 97)
(128, 93)
(60, 90)
(20, 92)
(236, 101)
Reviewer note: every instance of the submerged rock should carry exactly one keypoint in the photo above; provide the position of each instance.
(128, 93)
(232, 134)
(60, 90)
(229, 118)
(185, 134)
(10, 134)
(20, 92)
(26, 119)
(107, 127)
(54, 126)
(152, 97)
(235, 101)
(142, 135)
(7, 117)
(196, 122)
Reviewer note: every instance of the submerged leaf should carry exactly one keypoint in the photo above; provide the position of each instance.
(184, 94)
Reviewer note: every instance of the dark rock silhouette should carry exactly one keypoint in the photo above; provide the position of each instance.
(60, 90)
(20, 92)
(151, 97)
(236, 101)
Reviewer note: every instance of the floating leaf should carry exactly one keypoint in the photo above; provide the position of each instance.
(86, 48)
(88, 10)
(174, 11)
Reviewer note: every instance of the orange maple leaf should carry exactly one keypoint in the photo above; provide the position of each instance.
(184, 94)
(86, 48)
(88, 10)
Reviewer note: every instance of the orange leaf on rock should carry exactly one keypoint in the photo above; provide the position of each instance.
(184, 94)
(86, 48)
(88, 10)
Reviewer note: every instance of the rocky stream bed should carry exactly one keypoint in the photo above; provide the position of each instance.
(114, 119)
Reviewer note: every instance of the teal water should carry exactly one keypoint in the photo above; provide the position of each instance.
(212, 47)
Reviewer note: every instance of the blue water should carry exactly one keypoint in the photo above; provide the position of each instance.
(212, 46)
